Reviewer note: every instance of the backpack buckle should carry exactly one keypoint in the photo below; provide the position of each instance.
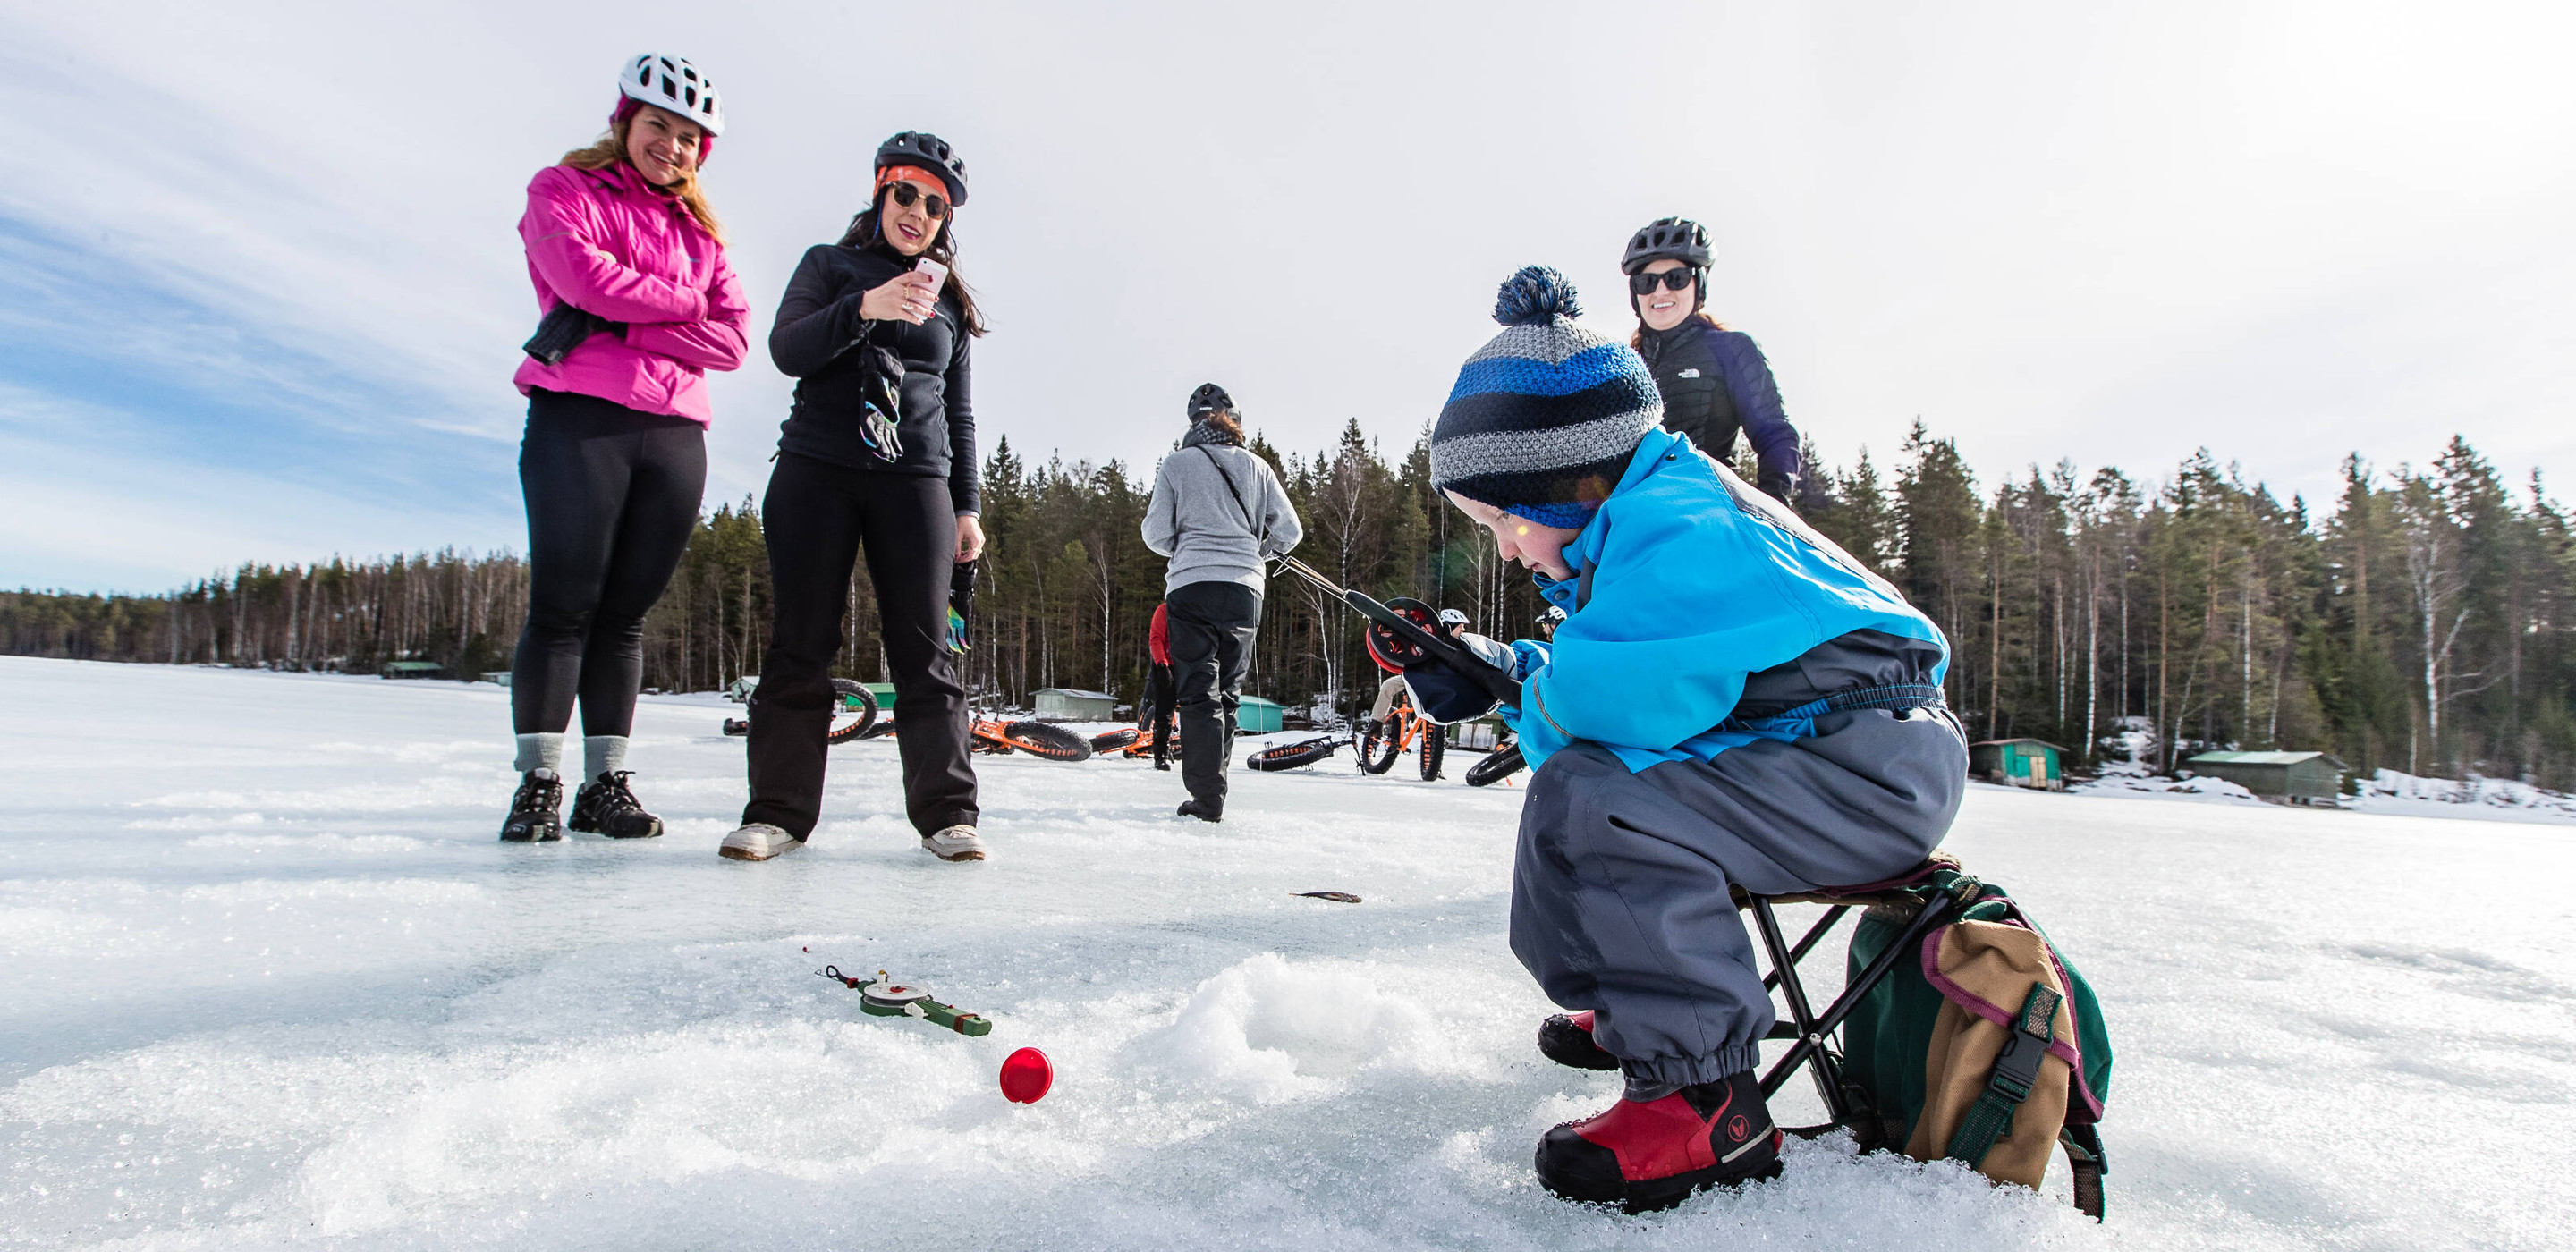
(2017, 1066)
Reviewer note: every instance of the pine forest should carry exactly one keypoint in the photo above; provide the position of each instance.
(2412, 623)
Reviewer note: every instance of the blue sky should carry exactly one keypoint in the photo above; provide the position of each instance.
(266, 293)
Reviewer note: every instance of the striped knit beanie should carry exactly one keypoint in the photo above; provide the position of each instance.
(1543, 418)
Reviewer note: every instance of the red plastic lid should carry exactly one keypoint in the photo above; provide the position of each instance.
(1026, 1076)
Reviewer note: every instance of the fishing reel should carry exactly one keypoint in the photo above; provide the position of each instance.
(1391, 653)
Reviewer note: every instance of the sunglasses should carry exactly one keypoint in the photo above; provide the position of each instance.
(1672, 279)
(908, 195)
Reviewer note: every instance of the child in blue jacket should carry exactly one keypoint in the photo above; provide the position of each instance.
(1731, 700)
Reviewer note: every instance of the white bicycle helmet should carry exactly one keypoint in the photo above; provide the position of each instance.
(1453, 617)
(670, 82)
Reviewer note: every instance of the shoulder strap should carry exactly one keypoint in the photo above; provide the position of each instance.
(2016, 1072)
(2084, 1154)
(1248, 524)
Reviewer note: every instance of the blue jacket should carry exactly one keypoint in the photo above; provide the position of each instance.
(1686, 582)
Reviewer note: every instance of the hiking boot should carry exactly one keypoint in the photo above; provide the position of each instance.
(534, 812)
(1651, 1154)
(954, 843)
(1203, 812)
(608, 807)
(1567, 1040)
(758, 841)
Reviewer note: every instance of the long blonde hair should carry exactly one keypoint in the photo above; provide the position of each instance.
(610, 149)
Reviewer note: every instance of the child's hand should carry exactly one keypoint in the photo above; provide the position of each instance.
(1444, 695)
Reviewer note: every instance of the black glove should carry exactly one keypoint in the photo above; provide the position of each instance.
(562, 330)
(1443, 695)
(881, 395)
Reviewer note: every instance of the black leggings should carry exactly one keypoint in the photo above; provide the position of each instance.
(816, 518)
(612, 496)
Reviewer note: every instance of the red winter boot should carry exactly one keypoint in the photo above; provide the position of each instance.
(1652, 1154)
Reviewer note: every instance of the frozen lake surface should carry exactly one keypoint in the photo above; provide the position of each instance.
(270, 981)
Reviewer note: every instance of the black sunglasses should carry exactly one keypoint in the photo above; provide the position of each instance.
(933, 203)
(1672, 279)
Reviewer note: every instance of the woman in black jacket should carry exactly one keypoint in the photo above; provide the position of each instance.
(878, 452)
(1713, 380)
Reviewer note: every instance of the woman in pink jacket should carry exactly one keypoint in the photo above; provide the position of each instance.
(639, 304)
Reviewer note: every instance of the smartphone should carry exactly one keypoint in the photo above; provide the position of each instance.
(938, 273)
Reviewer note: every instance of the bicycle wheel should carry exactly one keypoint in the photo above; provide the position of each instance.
(1114, 740)
(1291, 755)
(1055, 743)
(854, 710)
(1499, 764)
(1435, 744)
(1378, 748)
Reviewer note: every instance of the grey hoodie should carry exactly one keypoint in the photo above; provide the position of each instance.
(1195, 520)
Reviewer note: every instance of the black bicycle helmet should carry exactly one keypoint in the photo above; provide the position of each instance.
(1677, 238)
(923, 150)
(1209, 398)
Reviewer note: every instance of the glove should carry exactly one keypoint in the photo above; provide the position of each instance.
(563, 329)
(1443, 695)
(881, 388)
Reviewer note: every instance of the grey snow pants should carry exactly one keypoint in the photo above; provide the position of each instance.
(1619, 885)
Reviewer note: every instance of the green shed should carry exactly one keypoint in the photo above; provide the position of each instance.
(1256, 716)
(2300, 777)
(2018, 762)
(411, 669)
(884, 692)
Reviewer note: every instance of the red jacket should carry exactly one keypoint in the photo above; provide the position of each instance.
(1158, 640)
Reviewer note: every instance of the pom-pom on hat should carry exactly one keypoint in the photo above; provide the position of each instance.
(1544, 417)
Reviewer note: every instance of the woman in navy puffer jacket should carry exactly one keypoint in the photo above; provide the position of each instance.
(1714, 380)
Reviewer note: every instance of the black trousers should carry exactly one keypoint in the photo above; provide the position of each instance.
(816, 518)
(612, 496)
(1156, 715)
(1212, 625)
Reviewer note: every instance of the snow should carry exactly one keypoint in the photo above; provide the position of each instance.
(271, 982)
(2150, 787)
(2387, 792)
(2481, 799)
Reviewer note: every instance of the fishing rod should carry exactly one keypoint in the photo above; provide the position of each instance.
(1409, 633)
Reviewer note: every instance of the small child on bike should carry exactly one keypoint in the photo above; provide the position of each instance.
(1730, 700)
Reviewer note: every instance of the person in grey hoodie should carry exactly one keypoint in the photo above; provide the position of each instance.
(1219, 513)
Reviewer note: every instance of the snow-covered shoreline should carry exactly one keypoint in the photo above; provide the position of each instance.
(272, 982)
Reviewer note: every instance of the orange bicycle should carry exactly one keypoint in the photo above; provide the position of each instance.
(1382, 742)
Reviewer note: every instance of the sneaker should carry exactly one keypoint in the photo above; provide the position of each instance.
(608, 807)
(758, 841)
(1645, 1155)
(1566, 1038)
(954, 843)
(533, 812)
(1203, 812)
